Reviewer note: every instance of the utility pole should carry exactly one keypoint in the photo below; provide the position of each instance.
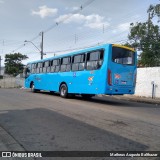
(42, 45)
(0, 64)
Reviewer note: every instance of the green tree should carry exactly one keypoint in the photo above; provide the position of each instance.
(146, 38)
(13, 63)
(154, 10)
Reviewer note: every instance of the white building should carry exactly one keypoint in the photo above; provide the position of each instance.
(2, 71)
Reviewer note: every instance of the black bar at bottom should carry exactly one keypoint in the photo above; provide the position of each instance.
(80, 154)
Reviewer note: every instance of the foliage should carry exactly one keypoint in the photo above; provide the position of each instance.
(146, 38)
(127, 44)
(13, 63)
(154, 11)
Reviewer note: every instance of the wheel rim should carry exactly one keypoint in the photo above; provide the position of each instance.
(32, 88)
(63, 90)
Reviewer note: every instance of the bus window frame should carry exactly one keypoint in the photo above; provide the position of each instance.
(58, 65)
(102, 51)
(65, 65)
(127, 49)
(78, 63)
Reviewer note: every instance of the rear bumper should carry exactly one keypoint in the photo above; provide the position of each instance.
(113, 90)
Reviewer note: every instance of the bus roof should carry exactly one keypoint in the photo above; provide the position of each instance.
(125, 47)
(75, 52)
(82, 51)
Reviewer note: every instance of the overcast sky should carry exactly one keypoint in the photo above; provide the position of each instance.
(101, 21)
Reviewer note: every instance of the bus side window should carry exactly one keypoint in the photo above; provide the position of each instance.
(75, 67)
(55, 65)
(100, 62)
(31, 68)
(65, 64)
(37, 68)
(43, 67)
(28, 69)
(47, 66)
(94, 60)
(82, 63)
(34, 68)
(51, 66)
(57, 68)
(40, 67)
(78, 62)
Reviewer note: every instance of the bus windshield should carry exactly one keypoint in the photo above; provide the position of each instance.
(123, 56)
(26, 71)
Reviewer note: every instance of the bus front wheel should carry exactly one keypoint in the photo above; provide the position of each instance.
(63, 91)
(32, 88)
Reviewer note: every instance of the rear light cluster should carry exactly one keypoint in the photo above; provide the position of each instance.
(109, 77)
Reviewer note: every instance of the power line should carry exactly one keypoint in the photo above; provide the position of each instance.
(91, 35)
(69, 15)
(21, 46)
(111, 39)
(88, 46)
(81, 35)
(87, 3)
(34, 38)
(57, 23)
(73, 49)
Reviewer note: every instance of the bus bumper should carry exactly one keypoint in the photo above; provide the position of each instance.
(120, 90)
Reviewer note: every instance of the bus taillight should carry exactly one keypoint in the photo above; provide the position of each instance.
(109, 77)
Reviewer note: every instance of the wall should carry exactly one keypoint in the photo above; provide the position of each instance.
(2, 71)
(11, 82)
(145, 76)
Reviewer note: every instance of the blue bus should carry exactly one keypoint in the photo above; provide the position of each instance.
(107, 69)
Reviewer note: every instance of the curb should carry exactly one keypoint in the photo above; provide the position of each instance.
(137, 99)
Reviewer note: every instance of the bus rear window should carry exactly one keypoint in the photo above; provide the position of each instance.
(123, 56)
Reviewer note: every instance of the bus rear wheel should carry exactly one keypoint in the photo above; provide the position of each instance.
(63, 91)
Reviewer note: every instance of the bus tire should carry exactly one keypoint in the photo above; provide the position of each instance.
(63, 91)
(33, 88)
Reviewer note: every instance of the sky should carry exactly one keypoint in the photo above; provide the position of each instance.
(67, 24)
